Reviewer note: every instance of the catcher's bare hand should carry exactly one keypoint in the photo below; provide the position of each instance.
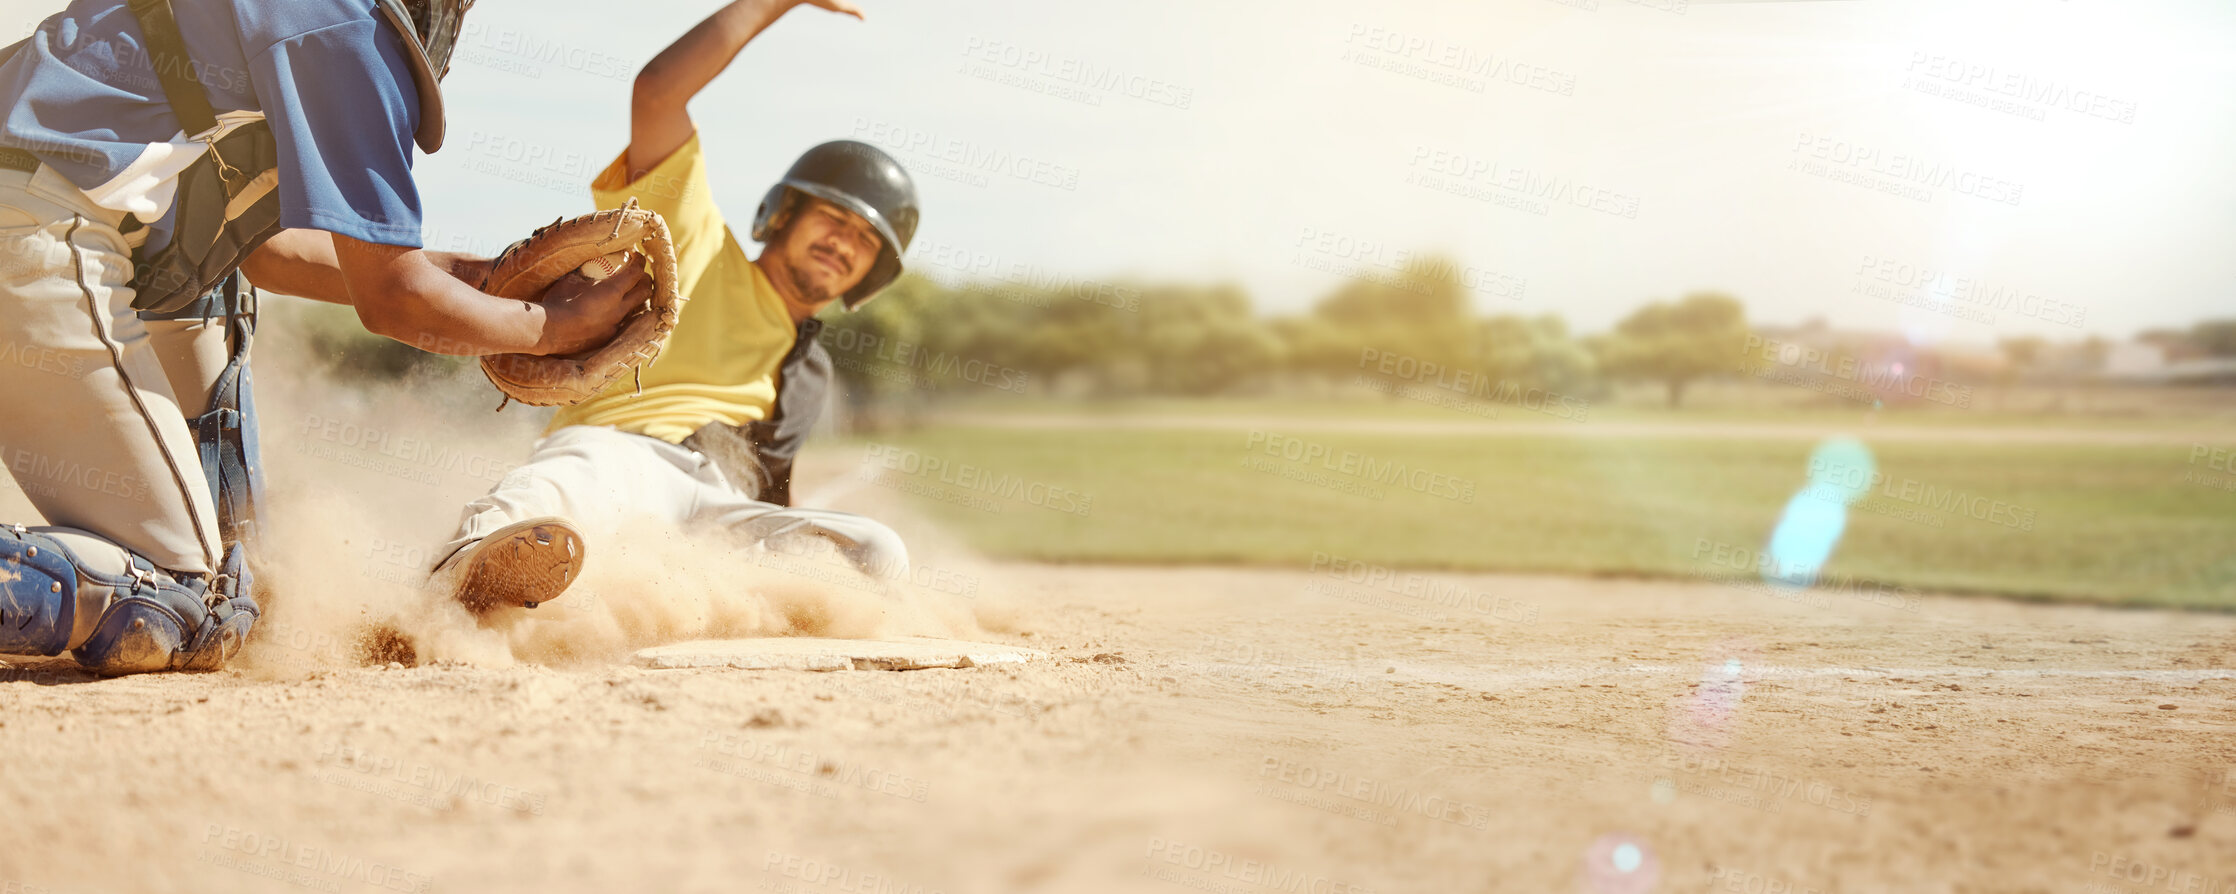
(580, 314)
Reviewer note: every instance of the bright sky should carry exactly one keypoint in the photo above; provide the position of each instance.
(1958, 171)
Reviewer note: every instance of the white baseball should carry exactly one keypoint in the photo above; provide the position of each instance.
(599, 268)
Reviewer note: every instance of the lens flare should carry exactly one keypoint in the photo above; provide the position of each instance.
(1704, 717)
(1840, 473)
(1618, 863)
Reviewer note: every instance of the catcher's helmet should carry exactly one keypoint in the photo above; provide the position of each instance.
(430, 30)
(860, 178)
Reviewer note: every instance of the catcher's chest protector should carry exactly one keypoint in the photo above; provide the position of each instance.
(227, 205)
(227, 202)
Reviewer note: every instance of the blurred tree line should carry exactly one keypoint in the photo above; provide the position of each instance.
(1097, 340)
(1085, 339)
(2208, 338)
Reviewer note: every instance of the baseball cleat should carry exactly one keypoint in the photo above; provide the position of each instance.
(526, 563)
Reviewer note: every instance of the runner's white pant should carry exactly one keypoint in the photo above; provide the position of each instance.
(599, 474)
(90, 397)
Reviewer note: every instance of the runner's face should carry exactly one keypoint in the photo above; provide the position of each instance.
(828, 250)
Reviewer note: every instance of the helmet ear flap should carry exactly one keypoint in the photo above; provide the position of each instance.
(859, 178)
(775, 211)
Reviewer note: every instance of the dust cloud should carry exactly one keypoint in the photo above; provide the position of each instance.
(365, 478)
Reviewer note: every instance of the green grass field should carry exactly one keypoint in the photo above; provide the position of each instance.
(2098, 523)
(2148, 409)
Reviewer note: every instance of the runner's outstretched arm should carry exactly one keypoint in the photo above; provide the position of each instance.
(658, 123)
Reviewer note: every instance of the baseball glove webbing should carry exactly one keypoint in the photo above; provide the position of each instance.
(528, 267)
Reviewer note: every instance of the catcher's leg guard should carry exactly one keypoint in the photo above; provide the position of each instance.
(45, 609)
(156, 623)
(226, 430)
(116, 611)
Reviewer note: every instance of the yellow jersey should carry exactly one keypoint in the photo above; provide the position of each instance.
(721, 362)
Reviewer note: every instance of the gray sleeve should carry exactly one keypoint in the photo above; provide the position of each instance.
(803, 384)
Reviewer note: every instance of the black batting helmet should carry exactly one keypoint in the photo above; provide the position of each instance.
(860, 178)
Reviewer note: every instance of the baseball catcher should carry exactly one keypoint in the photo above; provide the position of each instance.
(151, 151)
(705, 434)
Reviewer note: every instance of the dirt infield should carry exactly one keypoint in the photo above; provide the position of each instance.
(1200, 729)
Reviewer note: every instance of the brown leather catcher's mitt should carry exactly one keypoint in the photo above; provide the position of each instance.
(528, 267)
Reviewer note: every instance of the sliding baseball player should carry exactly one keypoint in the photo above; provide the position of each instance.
(705, 434)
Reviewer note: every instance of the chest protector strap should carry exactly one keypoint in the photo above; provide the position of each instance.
(227, 202)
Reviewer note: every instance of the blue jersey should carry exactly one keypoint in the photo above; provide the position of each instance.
(330, 77)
